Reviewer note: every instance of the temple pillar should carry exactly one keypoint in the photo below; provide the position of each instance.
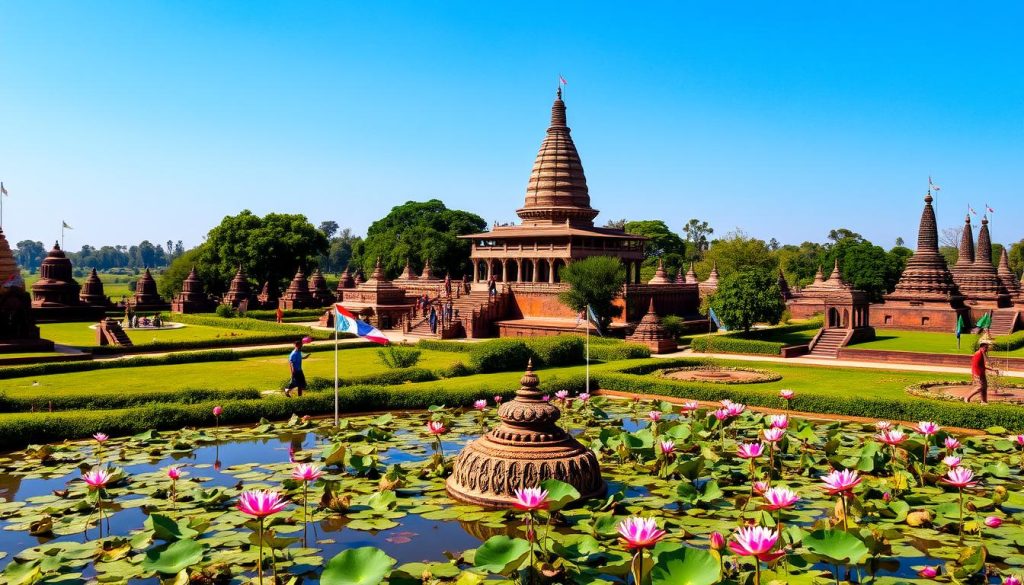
(536, 270)
(551, 271)
(490, 270)
(519, 273)
(476, 271)
(504, 270)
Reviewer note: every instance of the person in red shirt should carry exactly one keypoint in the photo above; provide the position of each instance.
(979, 369)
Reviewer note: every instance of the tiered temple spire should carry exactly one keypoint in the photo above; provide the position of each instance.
(974, 273)
(239, 289)
(660, 276)
(927, 277)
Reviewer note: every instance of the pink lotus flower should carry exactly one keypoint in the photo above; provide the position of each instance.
(546, 398)
(218, 410)
(260, 503)
(928, 572)
(531, 499)
(778, 421)
(480, 404)
(779, 498)
(562, 394)
(689, 406)
(993, 521)
(787, 394)
(307, 472)
(735, 408)
(951, 443)
(436, 427)
(891, 437)
(497, 398)
(1020, 442)
(654, 415)
(667, 447)
(717, 540)
(760, 487)
(750, 450)
(756, 541)
(307, 339)
(639, 533)
(721, 414)
(960, 477)
(841, 482)
(883, 425)
(96, 478)
(951, 461)
(1011, 580)
(927, 428)
(100, 437)
(584, 396)
(174, 473)
(773, 435)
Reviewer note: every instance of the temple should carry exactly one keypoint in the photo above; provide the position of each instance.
(239, 291)
(18, 331)
(976, 275)
(92, 291)
(297, 296)
(810, 300)
(557, 228)
(55, 296)
(192, 298)
(377, 301)
(146, 297)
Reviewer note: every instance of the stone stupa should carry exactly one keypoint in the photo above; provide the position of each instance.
(18, 331)
(526, 448)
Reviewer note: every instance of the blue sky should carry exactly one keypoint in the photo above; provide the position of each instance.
(135, 120)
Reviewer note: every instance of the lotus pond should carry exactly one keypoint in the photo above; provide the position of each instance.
(833, 502)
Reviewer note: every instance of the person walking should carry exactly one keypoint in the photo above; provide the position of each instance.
(298, 380)
(448, 285)
(979, 370)
(433, 320)
(279, 314)
(492, 287)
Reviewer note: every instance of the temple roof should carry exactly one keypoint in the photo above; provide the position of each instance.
(407, 273)
(660, 276)
(974, 273)
(10, 274)
(557, 190)
(1006, 276)
(926, 276)
(966, 250)
(533, 231)
(691, 275)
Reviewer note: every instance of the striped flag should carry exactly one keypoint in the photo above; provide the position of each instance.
(346, 322)
(971, 209)
(933, 186)
(990, 210)
(562, 80)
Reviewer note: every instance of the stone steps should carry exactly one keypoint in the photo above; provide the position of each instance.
(828, 344)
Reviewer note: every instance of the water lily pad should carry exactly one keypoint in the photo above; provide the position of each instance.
(836, 546)
(172, 558)
(686, 566)
(359, 566)
(501, 554)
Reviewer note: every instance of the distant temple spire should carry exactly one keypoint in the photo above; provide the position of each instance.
(926, 276)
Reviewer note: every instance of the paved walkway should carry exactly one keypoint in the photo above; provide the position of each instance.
(809, 361)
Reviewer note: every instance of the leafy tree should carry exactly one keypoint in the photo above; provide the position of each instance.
(997, 251)
(30, 254)
(169, 283)
(1016, 257)
(866, 266)
(838, 235)
(596, 281)
(662, 240)
(416, 231)
(737, 252)
(747, 297)
(697, 233)
(340, 252)
(899, 242)
(615, 224)
(270, 248)
(329, 228)
(800, 263)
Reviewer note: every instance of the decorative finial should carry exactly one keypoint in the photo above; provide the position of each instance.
(559, 92)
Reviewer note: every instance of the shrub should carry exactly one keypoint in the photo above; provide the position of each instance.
(674, 325)
(732, 344)
(289, 314)
(398, 356)
(225, 311)
(440, 345)
(557, 350)
(499, 355)
(248, 324)
(619, 351)
(1009, 342)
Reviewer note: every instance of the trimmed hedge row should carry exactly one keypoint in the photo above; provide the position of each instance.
(442, 345)
(729, 344)
(162, 346)
(59, 402)
(908, 409)
(509, 354)
(1009, 342)
(271, 315)
(249, 324)
(621, 351)
(18, 430)
(772, 331)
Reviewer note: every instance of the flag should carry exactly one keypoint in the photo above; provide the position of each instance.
(933, 186)
(990, 210)
(971, 209)
(592, 318)
(66, 226)
(562, 80)
(3, 190)
(715, 319)
(959, 326)
(985, 322)
(346, 322)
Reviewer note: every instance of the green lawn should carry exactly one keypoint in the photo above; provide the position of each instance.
(80, 335)
(927, 342)
(264, 373)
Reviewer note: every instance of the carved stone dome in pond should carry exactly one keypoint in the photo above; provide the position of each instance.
(527, 448)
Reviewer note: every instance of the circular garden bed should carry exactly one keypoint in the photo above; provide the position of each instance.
(719, 375)
(953, 390)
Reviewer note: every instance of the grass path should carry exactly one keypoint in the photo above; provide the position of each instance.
(927, 342)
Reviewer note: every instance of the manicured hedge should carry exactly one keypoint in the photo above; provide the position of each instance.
(1009, 342)
(442, 345)
(781, 330)
(619, 351)
(499, 355)
(271, 315)
(730, 344)
(557, 350)
(248, 324)
(87, 402)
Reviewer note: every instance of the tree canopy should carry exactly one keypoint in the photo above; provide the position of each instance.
(416, 231)
(1016, 257)
(596, 281)
(270, 248)
(737, 252)
(747, 297)
(664, 245)
(697, 234)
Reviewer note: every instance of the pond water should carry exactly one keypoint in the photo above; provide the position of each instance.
(423, 525)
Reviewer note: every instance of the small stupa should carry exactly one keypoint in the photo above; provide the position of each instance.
(651, 333)
(92, 291)
(710, 286)
(297, 296)
(526, 448)
(239, 290)
(428, 272)
(268, 296)
(1006, 276)
(407, 274)
(146, 296)
(56, 286)
(660, 276)
(192, 298)
(319, 289)
(691, 275)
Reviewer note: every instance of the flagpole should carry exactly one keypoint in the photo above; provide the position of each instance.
(588, 349)
(336, 368)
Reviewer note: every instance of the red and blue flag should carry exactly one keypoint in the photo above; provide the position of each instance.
(346, 322)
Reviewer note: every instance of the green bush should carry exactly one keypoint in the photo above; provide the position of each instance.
(449, 346)
(123, 400)
(674, 325)
(620, 351)
(1009, 342)
(398, 356)
(248, 324)
(225, 311)
(499, 355)
(733, 344)
(557, 350)
(456, 370)
(300, 314)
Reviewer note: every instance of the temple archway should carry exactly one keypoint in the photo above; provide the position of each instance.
(512, 271)
(833, 318)
(557, 267)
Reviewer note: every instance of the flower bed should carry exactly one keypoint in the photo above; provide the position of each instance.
(710, 374)
(695, 496)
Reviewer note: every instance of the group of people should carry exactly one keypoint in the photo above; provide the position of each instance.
(132, 320)
(448, 314)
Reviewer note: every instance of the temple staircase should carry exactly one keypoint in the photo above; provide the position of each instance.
(110, 332)
(828, 342)
(1004, 321)
(467, 307)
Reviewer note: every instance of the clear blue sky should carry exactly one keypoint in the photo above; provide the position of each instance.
(136, 120)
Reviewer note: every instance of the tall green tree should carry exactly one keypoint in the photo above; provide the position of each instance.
(663, 245)
(697, 233)
(800, 263)
(737, 252)
(270, 248)
(866, 266)
(1016, 257)
(747, 297)
(596, 281)
(416, 231)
